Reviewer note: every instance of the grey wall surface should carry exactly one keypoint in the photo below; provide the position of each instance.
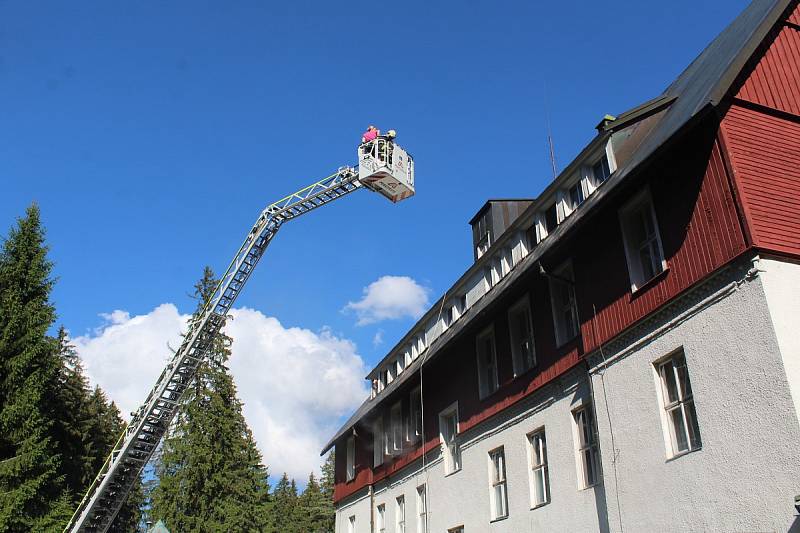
(746, 474)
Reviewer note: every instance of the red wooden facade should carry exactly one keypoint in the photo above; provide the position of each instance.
(762, 133)
(723, 187)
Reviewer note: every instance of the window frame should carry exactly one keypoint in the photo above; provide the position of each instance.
(351, 524)
(378, 438)
(381, 518)
(685, 404)
(498, 481)
(350, 459)
(451, 448)
(483, 239)
(542, 466)
(564, 272)
(422, 508)
(400, 513)
(581, 447)
(396, 428)
(414, 430)
(486, 389)
(643, 200)
(523, 304)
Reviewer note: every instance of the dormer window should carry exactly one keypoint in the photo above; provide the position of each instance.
(575, 196)
(601, 170)
(551, 219)
(483, 239)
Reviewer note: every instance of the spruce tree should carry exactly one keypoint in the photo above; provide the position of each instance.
(71, 419)
(312, 514)
(284, 510)
(33, 493)
(211, 476)
(328, 512)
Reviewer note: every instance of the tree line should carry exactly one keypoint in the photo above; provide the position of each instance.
(56, 430)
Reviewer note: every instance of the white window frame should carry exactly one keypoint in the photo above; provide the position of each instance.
(643, 201)
(487, 385)
(538, 467)
(498, 484)
(378, 438)
(451, 447)
(541, 227)
(566, 205)
(682, 406)
(457, 529)
(381, 518)
(414, 429)
(422, 508)
(350, 458)
(482, 247)
(586, 448)
(396, 422)
(564, 272)
(522, 362)
(400, 513)
(400, 364)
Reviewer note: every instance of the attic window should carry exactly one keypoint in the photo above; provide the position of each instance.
(601, 170)
(551, 218)
(575, 196)
(482, 235)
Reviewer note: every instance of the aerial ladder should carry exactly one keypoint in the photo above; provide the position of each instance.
(383, 167)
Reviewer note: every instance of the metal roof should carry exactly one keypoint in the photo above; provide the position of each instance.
(701, 85)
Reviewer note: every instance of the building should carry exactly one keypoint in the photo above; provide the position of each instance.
(622, 355)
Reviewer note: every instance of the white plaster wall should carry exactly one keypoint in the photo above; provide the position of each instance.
(746, 474)
(358, 506)
(462, 498)
(781, 281)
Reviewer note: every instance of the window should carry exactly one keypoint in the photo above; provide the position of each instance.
(377, 442)
(400, 514)
(414, 431)
(351, 524)
(382, 518)
(462, 305)
(565, 309)
(521, 330)
(540, 478)
(497, 478)
(586, 444)
(422, 509)
(448, 432)
(351, 458)
(383, 379)
(374, 391)
(482, 234)
(600, 170)
(551, 218)
(459, 529)
(679, 412)
(397, 428)
(487, 363)
(642, 242)
(575, 196)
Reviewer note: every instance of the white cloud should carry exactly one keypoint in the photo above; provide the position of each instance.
(390, 297)
(377, 340)
(296, 384)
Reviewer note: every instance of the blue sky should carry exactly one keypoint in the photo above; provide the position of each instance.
(151, 135)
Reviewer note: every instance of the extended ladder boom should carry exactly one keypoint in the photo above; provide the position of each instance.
(110, 488)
